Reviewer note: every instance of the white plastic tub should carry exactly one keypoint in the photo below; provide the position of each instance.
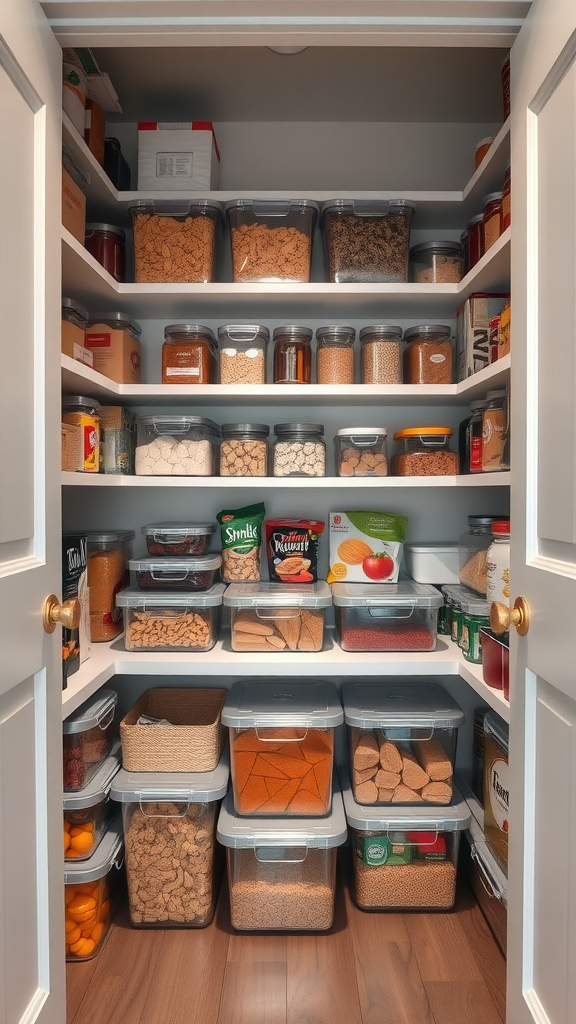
(435, 562)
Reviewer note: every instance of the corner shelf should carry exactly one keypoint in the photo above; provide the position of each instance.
(272, 483)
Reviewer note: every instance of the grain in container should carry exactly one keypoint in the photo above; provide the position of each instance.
(496, 787)
(175, 241)
(361, 451)
(282, 746)
(189, 355)
(292, 354)
(282, 871)
(244, 449)
(401, 741)
(404, 858)
(475, 614)
(277, 616)
(437, 263)
(91, 888)
(299, 449)
(108, 555)
(243, 350)
(168, 621)
(335, 355)
(187, 734)
(88, 812)
(178, 538)
(88, 736)
(492, 219)
(173, 445)
(367, 240)
(435, 562)
(488, 882)
(381, 347)
(271, 239)
(428, 354)
(496, 660)
(386, 616)
(171, 817)
(424, 451)
(473, 551)
(107, 244)
(83, 414)
(179, 573)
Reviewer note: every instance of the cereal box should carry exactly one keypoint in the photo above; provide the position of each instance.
(366, 547)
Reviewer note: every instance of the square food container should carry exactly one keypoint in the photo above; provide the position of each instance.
(401, 741)
(405, 858)
(191, 743)
(282, 746)
(170, 848)
(271, 239)
(488, 882)
(367, 241)
(88, 813)
(399, 616)
(495, 652)
(178, 538)
(175, 241)
(174, 445)
(195, 572)
(277, 616)
(282, 871)
(167, 621)
(90, 891)
(87, 740)
(435, 562)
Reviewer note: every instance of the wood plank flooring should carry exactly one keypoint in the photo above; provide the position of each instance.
(368, 969)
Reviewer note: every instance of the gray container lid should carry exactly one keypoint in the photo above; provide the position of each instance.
(93, 712)
(383, 331)
(112, 537)
(298, 428)
(180, 423)
(368, 207)
(296, 332)
(79, 401)
(285, 831)
(169, 565)
(495, 725)
(244, 332)
(75, 307)
(110, 228)
(108, 854)
(428, 331)
(184, 787)
(485, 520)
(394, 704)
(472, 604)
(132, 598)
(335, 331)
(404, 594)
(278, 595)
(435, 547)
(274, 207)
(174, 207)
(172, 533)
(453, 248)
(118, 321)
(261, 429)
(196, 330)
(454, 592)
(400, 818)
(314, 704)
(99, 786)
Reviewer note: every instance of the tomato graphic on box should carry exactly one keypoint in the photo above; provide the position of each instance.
(379, 566)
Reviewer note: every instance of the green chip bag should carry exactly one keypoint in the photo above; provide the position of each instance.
(241, 530)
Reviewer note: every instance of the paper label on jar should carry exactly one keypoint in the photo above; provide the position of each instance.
(437, 358)
(182, 371)
(174, 165)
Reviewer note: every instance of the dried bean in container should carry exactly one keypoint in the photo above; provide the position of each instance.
(381, 362)
(430, 884)
(443, 463)
(368, 249)
(288, 896)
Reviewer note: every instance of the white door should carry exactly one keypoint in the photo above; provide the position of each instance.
(31, 897)
(542, 870)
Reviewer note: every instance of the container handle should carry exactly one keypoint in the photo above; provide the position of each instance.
(236, 334)
(280, 860)
(486, 881)
(279, 739)
(384, 613)
(276, 616)
(396, 735)
(174, 428)
(435, 830)
(143, 801)
(107, 720)
(168, 574)
(365, 441)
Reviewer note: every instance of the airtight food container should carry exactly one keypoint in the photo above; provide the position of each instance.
(170, 848)
(169, 621)
(88, 813)
(475, 613)
(399, 616)
(488, 882)
(404, 858)
(90, 891)
(282, 870)
(361, 451)
(243, 353)
(367, 241)
(178, 538)
(174, 445)
(175, 241)
(195, 572)
(496, 660)
(401, 741)
(277, 616)
(88, 737)
(271, 239)
(282, 746)
(434, 562)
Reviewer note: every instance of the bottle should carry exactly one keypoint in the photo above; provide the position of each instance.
(498, 563)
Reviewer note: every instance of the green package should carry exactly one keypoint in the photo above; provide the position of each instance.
(241, 530)
(376, 850)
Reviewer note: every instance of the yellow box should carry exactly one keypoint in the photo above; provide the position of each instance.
(504, 332)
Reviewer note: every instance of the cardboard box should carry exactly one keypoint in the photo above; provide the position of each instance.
(178, 157)
(366, 547)
(473, 331)
(116, 353)
(504, 332)
(73, 338)
(75, 642)
(73, 207)
(71, 448)
(95, 130)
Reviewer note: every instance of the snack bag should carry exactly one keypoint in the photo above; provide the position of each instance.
(366, 547)
(292, 546)
(241, 534)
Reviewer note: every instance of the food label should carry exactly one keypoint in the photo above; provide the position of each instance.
(103, 340)
(374, 851)
(182, 371)
(174, 165)
(493, 432)
(292, 546)
(437, 358)
(241, 530)
(470, 637)
(476, 455)
(90, 440)
(366, 547)
(496, 796)
(499, 792)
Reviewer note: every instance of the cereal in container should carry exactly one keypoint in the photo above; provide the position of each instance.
(428, 354)
(243, 353)
(175, 241)
(244, 449)
(171, 621)
(335, 355)
(271, 239)
(299, 449)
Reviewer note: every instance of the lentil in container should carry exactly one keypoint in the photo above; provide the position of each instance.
(381, 354)
(335, 355)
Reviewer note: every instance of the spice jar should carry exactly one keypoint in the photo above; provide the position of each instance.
(243, 353)
(474, 437)
(475, 240)
(481, 150)
(188, 355)
(381, 354)
(361, 451)
(299, 449)
(292, 355)
(244, 449)
(335, 355)
(428, 355)
(437, 263)
(472, 549)
(506, 198)
(107, 245)
(495, 432)
(492, 219)
(424, 451)
(108, 555)
(505, 75)
(498, 563)
(84, 413)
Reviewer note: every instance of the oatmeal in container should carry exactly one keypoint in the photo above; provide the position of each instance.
(243, 353)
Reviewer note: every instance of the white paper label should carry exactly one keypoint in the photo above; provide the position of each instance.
(438, 358)
(174, 165)
(182, 371)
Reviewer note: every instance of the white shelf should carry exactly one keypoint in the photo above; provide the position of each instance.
(271, 483)
(489, 177)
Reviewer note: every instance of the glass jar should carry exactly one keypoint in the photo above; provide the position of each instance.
(428, 355)
(472, 550)
(505, 75)
(381, 354)
(465, 243)
(367, 240)
(492, 219)
(243, 353)
(506, 198)
(84, 413)
(475, 240)
(188, 355)
(481, 150)
(292, 355)
(299, 449)
(107, 244)
(361, 451)
(495, 432)
(244, 449)
(498, 563)
(475, 615)
(437, 263)
(172, 445)
(424, 451)
(108, 557)
(335, 355)
(474, 437)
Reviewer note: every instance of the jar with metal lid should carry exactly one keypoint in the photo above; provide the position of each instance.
(367, 240)
(381, 354)
(292, 354)
(474, 437)
(299, 449)
(335, 355)
(107, 244)
(175, 240)
(465, 243)
(481, 150)
(175, 445)
(437, 263)
(83, 414)
(475, 240)
(498, 563)
(74, 313)
(492, 219)
(117, 321)
(506, 198)
(243, 353)
(188, 355)
(472, 548)
(244, 449)
(495, 432)
(361, 451)
(424, 451)
(505, 75)
(108, 555)
(428, 355)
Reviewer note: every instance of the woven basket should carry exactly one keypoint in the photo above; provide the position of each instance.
(194, 741)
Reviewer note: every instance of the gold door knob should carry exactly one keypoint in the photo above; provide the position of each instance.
(67, 613)
(502, 617)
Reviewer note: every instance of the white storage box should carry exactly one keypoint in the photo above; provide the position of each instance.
(177, 157)
(435, 562)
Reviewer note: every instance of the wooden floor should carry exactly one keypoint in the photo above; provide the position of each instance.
(369, 969)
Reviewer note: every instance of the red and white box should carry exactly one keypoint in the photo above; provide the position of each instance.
(177, 157)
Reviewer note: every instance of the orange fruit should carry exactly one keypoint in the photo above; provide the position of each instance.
(69, 894)
(96, 932)
(66, 825)
(66, 840)
(86, 946)
(70, 852)
(104, 910)
(73, 936)
(81, 841)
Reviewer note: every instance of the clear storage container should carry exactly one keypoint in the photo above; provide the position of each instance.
(435, 562)
(90, 891)
(491, 219)
(107, 244)
(188, 355)
(196, 572)
(367, 240)
(172, 445)
(498, 564)
(88, 736)
(496, 787)
(175, 241)
(475, 614)
(178, 538)
(169, 621)
(282, 746)
(381, 354)
(475, 239)
(299, 449)
(424, 451)
(277, 616)
(108, 556)
(84, 414)
(335, 355)
(171, 818)
(489, 883)
(362, 451)
(453, 596)
(243, 353)
(495, 432)
(244, 449)
(437, 263)
(282, 871)
(496, 660)
(271, 239)
(428, 354)
(401, 741)
(88, 812)
(292, 354)
(472, 552)
(386, 616)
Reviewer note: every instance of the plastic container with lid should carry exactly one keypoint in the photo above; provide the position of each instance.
(118, 322)
(195, 572)
(492, 219)
(473, 546)
(361, 451)
(88, 812)
(74, 312)
(401, 740)
(381, 354)
(474, 436)
(489, 883)
(282, 870)
(367, 240)
(299, 449)
(171, 816)
(292, 354)
(475, 240)
(90, 891)
(174, 445)
(188, 355)
(404, 858)
(88, 735)
(84, 414)
(277, 616)
(243, 353)
(506, 198)
(498, 563)
(475, 614)
(178, 538)
(465, 243)
(335, 355)
(455, 616)
(496, 787)
(107, 244)
(168, 621)
(481, 150)
(244, 449)
(428, 354)
(175, 241)
(386, 616)
(282, 731)
(437, 263)
(424, 451)
(496, 660)
(495, 432)
(108, 556)
(271, 239)
(435, 562)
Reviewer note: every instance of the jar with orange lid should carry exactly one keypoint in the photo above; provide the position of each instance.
(188, 355)
(492, 219)
(424, 451)
(506, 199)
(428, 354)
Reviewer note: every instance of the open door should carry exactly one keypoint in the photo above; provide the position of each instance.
(31, 877)
(542, 868)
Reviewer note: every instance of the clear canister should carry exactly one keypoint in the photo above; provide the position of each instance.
(244, 449)
(381, 354)
(292, 354)
(74, 313)
(108, 556)
(492, 219)
(361, 451)
(84, 413)
(481, 150)
(176, 445)
(175, 241)
(472, 548)
(437, 263)
(243, 353)
(271, 239)
(474, 436)
(299, 449)
(495, 432)
(107, 244)
(424, 451)
(367, 240)
(428, 354)
(188, 355)
(335, 355)
(498, 564)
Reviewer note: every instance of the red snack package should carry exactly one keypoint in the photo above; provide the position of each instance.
(292, 547)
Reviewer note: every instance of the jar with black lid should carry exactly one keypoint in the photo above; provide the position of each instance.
(244, 449)
(299, 449)
(292, 354)
(107, 244)
(437, 263)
